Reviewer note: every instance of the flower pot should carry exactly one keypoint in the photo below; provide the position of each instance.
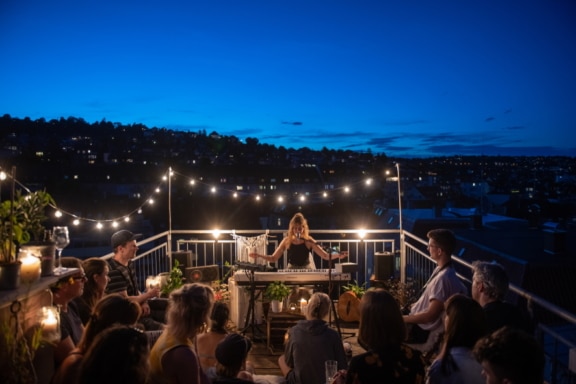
(10, 275)
(276, 306)
(46, 251)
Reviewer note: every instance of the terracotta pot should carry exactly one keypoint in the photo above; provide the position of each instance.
(10, 275)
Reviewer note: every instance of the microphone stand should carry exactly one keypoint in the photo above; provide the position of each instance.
(332, 306)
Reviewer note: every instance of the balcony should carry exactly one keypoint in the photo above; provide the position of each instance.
(405, 258)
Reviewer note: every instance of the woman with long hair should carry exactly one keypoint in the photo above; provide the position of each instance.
(96, 270)
(464, 323)
(299, 245)
(205, 343)
(111, 309)
(173, 359)
(382, 333)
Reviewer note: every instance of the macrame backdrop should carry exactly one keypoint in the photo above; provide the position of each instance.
(246, 245)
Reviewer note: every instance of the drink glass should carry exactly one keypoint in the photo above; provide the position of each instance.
(331, 367)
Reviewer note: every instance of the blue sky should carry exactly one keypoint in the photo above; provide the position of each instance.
(404, 78)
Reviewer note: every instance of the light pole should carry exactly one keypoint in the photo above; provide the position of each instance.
(402, 253)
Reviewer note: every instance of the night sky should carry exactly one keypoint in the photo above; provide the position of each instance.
(404, 78)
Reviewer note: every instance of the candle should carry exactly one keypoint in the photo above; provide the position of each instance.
(303, 306)
(50, 323)
(152, 282)
(30, 269)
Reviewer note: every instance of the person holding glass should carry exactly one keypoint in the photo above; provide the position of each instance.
(123, 276)
(300, 245)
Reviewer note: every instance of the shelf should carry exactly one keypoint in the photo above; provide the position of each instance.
(27, 290)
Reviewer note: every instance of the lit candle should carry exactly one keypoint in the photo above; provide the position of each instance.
(303, 305)
(49, 322)
(30, 269)
(152, 282)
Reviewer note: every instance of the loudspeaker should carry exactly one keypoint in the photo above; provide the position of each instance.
(185, 259)
(205, 274)
(383, 265)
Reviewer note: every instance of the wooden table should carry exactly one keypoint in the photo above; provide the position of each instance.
(277, 324)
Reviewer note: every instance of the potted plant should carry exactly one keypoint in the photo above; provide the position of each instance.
(174, 280)
(21, 220)
(276, 292)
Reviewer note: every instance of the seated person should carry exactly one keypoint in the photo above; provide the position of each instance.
(511, 356)
(310, 343)
(231, 354)
(425, 317)
(123, 277)
(489, 286)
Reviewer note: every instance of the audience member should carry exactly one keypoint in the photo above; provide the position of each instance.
(489, 286)
(123, 278)
(300, 246)
(205, 343)
(425, 317)
(64, 291)
(172, 358)
(464, 325)
(96, 270)
(231, 354)
(310, 343)
(118, 355)
(381, 332)
(110, 310)
(510, 356)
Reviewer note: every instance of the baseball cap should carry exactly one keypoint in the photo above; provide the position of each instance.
(232, 350)
(123, 236)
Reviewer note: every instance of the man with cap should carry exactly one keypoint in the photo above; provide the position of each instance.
(231, 354)
(123, 277)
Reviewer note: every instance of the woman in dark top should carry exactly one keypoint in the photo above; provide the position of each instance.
(96, 270)
(381, 333)
(299, 245)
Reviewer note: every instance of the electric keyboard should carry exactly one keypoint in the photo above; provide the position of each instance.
(291, 276)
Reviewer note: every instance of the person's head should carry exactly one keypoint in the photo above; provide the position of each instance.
(219, 317)
(381, 324)
(124, 244)
(96, 270)
(489, 281)
(298, 227)
(70, 287)
(318, 306)
(231, 353)
(111, 309)
(464, 324)
(510, 356)
(441, 242)
(188, 310)
(119, 354)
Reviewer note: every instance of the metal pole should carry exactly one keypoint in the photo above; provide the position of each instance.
(402, 250)
(169, 245)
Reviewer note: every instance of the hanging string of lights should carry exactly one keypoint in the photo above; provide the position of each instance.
(59, 212)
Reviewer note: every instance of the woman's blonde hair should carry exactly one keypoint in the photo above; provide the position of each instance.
(298, 219)
(189, 310)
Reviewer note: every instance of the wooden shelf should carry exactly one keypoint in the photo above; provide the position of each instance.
(30, 293)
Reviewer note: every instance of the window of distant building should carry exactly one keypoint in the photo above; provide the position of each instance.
(39, 154)
(286, 180)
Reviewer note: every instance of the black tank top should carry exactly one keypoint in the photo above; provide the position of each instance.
(298, 254)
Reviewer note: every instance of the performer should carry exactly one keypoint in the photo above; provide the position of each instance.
(299, 245)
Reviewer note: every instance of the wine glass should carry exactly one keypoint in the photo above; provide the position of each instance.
(61, 238)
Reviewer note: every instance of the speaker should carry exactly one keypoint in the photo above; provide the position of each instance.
(185, 259)
(205, 274)
(383, 265)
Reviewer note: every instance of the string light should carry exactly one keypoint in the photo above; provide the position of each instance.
(114, 221)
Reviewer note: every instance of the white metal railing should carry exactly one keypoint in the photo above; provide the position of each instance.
(555, 327)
